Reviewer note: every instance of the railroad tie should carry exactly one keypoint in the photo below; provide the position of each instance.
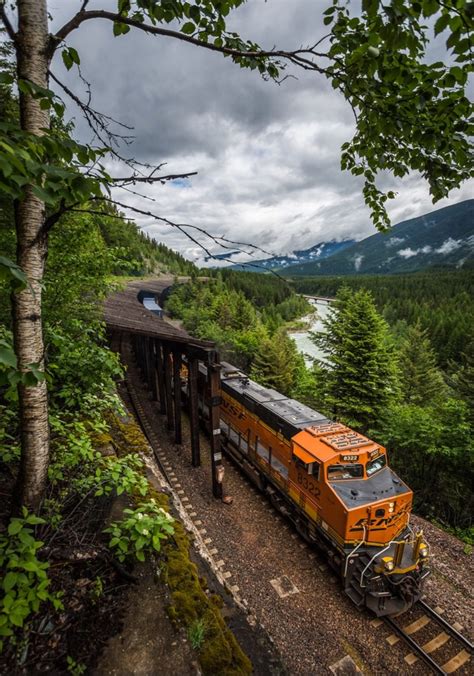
(436, 642)
(456, 662)
(416, 625)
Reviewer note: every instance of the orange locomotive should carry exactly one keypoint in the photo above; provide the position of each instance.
(333, 483)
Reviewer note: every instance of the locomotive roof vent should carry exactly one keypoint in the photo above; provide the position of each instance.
(346, 440)
(326, 428)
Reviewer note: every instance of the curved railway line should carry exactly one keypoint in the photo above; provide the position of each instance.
(433, 641)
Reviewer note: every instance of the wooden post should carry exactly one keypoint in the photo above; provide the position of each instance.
(177, 395)
(213, 375)
(151, 368)
(141, 352)
(193, 364)
(160, 376)
(168, 387)
(146, 362)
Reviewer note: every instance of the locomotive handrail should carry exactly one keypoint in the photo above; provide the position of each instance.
(354, 550)
(372, 560)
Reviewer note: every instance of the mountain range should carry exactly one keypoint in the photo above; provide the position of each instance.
(444, 237)
(318, 252)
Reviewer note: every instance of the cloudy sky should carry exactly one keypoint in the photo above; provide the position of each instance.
(267, 156)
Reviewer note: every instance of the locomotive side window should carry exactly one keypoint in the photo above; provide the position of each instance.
(338, 472)
(374, 465)
(234, 436)
(279, 466)
(311, 468)
(262, 451)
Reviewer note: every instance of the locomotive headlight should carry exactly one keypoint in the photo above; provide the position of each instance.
(391, 507)
(423, 552)
(389, 565)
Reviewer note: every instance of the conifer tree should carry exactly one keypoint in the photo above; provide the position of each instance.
(276, 363)
(361, 374)
(464, 380)
(421, 381)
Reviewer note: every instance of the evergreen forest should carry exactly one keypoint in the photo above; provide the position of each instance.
(400, 365)
(441, 300)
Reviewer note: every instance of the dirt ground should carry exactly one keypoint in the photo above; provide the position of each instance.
(147, 643)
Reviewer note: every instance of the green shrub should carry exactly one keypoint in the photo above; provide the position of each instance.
(25, 584)
(141, 531)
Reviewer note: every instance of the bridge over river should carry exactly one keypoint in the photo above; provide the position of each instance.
(318, 299)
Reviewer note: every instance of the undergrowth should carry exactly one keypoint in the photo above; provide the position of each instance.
(94, 460)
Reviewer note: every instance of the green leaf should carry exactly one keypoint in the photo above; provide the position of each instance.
(74, 55)
(6, 78)
(10, 269)
(188, 28)
(43, 195)
(15, 527)
(10, 581)
(68, 62)
(8, 357)
(441, 24)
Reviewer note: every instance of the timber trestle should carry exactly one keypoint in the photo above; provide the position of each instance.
(161, 350)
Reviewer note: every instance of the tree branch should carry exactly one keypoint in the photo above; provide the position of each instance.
(301, 57)
(152, 179)
(6, 22)
(182, 227)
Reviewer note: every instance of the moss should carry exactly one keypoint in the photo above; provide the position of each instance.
(103, 439)
(127, 436)
(220, 654)
(216, 600)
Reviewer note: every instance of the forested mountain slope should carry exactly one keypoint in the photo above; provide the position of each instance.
(442, 237)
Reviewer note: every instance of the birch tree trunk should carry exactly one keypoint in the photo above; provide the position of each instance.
(32, 65)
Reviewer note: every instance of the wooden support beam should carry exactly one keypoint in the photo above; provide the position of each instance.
(168, 386)
(141, 355)
(145, 361)
(160, 375)
(214, 380)
(177, 395)
(193, 365)
(152, 365)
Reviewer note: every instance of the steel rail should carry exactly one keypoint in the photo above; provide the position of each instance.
(414, 646)
(449, 628)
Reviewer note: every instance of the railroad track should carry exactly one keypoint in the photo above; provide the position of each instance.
(431, 638)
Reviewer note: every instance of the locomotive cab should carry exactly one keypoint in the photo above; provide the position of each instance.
(365, 507)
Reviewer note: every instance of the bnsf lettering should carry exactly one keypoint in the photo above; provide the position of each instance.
(308, 484)
(232, 410)
(379, 524)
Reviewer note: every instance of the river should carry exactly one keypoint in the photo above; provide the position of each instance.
(302, 338)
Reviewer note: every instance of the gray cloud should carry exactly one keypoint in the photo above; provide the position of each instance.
(267, 155)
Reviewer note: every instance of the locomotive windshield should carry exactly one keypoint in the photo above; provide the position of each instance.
(374, 465)
(338, 472)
